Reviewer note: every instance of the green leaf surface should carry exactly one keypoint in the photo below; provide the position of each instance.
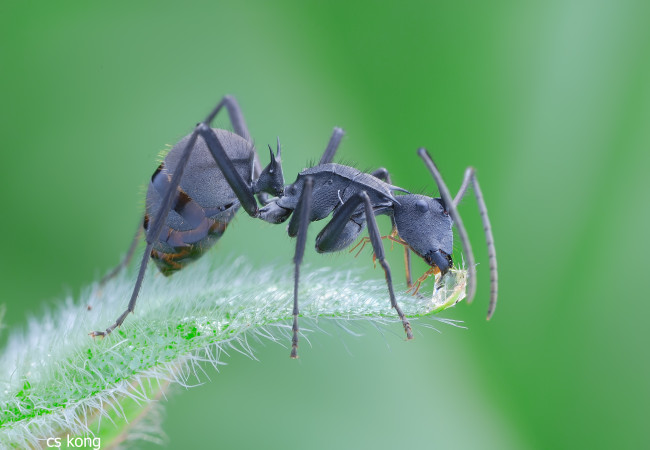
(56, 379)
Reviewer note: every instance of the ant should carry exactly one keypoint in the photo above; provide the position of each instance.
(186, 215)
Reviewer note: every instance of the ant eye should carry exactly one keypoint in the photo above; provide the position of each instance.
(422, 206)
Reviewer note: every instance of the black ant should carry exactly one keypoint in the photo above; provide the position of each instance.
(186, 215)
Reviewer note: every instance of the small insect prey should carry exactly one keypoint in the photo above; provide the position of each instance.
(205, 178)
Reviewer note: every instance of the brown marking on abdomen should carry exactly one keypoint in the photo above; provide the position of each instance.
(185, 253)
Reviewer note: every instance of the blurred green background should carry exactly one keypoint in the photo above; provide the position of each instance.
(550, 101)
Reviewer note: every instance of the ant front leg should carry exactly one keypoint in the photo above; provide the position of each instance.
(342, 228)
(298, 227)
(375, 238)
(383, 174)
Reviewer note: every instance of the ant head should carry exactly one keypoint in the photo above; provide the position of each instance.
(424, 224)
(271, 179)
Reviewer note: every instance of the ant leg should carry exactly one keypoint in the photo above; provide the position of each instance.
(383, 175)
(239, 127)
(343, 228)
(156, 227)
(407, 266)
(332, 146)
(298, 227)
(362, 242)
(243, 192)
(451, 208)
(375, 238)
(127, 258)
(470, 177)
(236, 118)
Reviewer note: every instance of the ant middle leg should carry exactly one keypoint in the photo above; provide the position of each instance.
(298, 228)
(332, 146)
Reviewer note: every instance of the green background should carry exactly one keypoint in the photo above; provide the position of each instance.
(549, 100)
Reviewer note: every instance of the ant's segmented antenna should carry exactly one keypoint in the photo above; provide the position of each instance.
(451, 208)
(470, 176)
